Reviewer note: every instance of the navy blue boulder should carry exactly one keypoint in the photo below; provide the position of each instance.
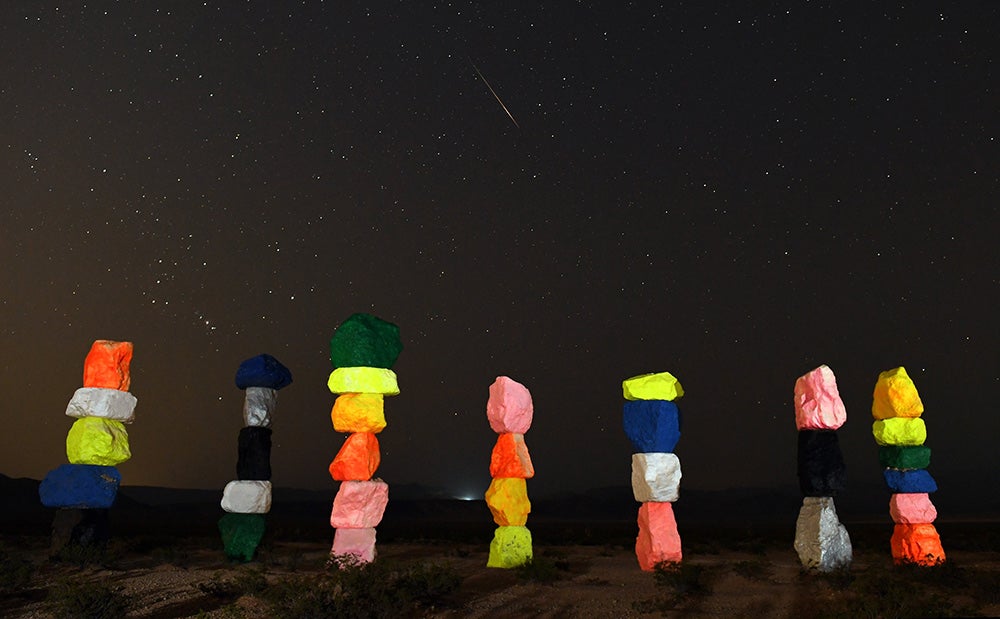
(263, 371)
(80, 485)
(909, 482)
(653, 426)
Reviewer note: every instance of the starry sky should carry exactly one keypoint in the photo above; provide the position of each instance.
(568, 194)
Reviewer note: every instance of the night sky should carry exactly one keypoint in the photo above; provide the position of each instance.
(568, 194)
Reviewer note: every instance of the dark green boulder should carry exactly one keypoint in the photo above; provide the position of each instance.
(904, 456)
(241, 534)
(364, 340)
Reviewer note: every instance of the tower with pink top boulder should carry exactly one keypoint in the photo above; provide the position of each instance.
(363, 350)
(821, 541)
(510, 412)
(653, 425)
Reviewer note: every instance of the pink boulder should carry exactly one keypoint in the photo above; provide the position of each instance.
(817, 401)
(359, 504)
(658, 539)
(358, 544)
(509, 408)
(915, 508)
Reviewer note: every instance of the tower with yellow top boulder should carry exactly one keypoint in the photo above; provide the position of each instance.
(900, 433)
(363, 350)
(652, 423)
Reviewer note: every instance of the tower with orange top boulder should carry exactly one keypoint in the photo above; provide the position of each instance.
(84, 490)
(510, 413)
(363, 350)
(247, 499)
(900, 433)
(652, 423)
(821, 541)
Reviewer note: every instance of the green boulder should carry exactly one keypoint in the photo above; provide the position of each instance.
(241, 534)
(365, 341)
(904, 457)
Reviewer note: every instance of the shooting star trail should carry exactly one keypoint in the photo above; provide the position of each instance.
(495, 96)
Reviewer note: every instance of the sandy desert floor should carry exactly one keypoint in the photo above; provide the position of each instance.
(162, 578)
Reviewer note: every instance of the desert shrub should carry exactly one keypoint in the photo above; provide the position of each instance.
(362, 590)
(83, 555)
(756, 569)
(539, 569)
(245, 582)
(15, 572)
(683, 579)
(91, 600)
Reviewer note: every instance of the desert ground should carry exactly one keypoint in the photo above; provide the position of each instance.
(579, 570)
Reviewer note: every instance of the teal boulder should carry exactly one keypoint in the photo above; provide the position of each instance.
(241, 534)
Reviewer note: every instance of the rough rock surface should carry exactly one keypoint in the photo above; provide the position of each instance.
(901, 431)
(254, 453)
(259, 403)
(904, 456)
(511, 547)
(656, 477)
(817, 401)
(357, 459)
(821, 541)
(363, 380)
(107, 365)
(365, 340)
(81, 486)
(658, 386)
(507, 498)
(247, 497)
(652, 425)
(102, 402)
(359, 504)
(263, 371)
(509, 407)
(821, 467)
(79, 527)
(658, 540)
(354, 544)
(95, 440)
(895, 396)
(510, 457)
(905, 482)
(241, 534)
(914, 508)
(358, 412)
(917, 543)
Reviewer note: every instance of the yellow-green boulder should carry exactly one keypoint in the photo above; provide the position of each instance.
(507, 498)
(511, 547)
(97, 440)
(659, 386)
(900, 431)
(363, 380)
(895, 396)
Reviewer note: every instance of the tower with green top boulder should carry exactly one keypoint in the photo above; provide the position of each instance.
(363, 350)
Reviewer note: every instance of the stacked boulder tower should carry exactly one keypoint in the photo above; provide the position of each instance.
(900, 433)
(85, 489)
(363, 350)
(510, 413)
(821, 541)
(248, 498)
(653, 425)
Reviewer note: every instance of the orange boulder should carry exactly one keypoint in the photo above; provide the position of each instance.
(107, 365)
(358, 412)
(510, 457)
(658, 539)
(917, 543)
(357, 459)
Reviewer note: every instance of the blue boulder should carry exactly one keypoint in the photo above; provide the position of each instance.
(909, 482)
(87, 486)
(653, 426)
(263, 371)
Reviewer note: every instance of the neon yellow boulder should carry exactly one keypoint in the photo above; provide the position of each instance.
(97, 440)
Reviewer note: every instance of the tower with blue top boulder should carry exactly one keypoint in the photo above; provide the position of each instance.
(248, 498)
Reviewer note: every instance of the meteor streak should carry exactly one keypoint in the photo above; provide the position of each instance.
(495, 95)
